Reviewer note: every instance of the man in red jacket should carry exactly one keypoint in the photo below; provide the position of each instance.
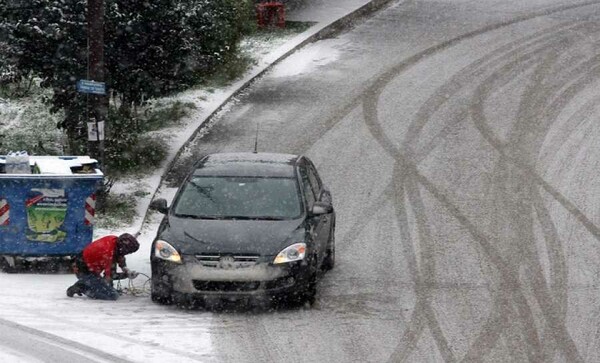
(96, 267)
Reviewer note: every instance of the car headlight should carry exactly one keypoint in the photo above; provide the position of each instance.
(295, 252)
(166, 252)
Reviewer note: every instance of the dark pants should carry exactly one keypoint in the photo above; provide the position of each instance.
(96, 287)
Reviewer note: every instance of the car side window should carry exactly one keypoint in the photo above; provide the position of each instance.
(308, 191)
(314, 180)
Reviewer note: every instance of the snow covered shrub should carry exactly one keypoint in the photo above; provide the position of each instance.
(127, 150)
(135, 154)
(27, 125)
(217, 26)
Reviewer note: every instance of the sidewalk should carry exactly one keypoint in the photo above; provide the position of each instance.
(324, 11)
(327, 15)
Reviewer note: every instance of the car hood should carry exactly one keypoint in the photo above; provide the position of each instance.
(197, 236)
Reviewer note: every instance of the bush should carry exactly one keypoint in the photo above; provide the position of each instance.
(27, 124)
(134, 154)
(127, 151)
(159, 115)
(217, 26)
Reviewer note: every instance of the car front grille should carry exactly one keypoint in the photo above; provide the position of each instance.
(234, 261)
(226, 286)
(242, 286)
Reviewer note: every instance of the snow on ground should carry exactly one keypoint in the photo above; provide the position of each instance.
(312, 56)
(132, 327)
(9, 355)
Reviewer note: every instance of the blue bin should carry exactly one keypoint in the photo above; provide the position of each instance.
(48, 214)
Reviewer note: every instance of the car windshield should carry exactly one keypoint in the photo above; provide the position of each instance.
(239, 198)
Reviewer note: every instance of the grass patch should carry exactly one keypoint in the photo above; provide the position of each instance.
(118, 210)
(234, 67)
(159, 115)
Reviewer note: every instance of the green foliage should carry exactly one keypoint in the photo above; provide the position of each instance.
(152, 48)
(127, 151)
(232, 68)
(146, 47)
(134, 154)
(160, 115)
(118, 210)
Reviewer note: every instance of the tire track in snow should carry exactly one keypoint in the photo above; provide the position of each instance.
(533, 356)
(532, 105)
(435, 49)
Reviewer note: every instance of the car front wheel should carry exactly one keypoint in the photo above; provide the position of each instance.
(160, 294)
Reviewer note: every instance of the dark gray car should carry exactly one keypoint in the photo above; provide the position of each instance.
(244, 225)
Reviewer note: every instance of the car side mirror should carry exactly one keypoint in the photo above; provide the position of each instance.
(320, 208)
(159, 205)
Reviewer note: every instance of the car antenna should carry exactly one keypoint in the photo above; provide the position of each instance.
(256, 139)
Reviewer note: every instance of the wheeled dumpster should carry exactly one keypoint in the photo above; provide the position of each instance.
(49, 212)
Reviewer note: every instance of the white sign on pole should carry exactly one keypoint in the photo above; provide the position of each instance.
(95, 133)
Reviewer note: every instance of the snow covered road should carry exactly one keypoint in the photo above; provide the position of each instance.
(459, 141)
(20, 343)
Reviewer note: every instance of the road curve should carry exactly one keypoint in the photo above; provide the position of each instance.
(457, 138)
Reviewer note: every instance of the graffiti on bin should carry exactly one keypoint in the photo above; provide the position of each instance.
(46, 213)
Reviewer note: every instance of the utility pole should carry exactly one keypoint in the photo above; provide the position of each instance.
(97, 102)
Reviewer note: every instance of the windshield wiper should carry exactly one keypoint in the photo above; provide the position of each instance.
(204, 191)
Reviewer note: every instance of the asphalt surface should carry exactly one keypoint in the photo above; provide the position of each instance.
(458, 140)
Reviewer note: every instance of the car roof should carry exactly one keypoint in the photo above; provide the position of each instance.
(248, 165)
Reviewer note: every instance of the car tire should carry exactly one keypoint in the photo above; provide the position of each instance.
(310, 292)
(19, 265)
(160, 293)
(329, 261)
(4, 266)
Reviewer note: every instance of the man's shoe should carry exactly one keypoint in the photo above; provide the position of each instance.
(75, 289)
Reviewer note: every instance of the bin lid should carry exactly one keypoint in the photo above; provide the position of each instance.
(63, 166)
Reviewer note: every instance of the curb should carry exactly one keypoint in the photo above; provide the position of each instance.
(313, 34)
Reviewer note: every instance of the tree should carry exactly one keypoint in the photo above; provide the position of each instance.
(151, 48)
(48, 39)
(146, 48)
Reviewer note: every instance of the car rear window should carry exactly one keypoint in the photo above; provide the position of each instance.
(239, 198)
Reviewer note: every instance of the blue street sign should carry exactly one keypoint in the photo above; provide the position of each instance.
(93, 87)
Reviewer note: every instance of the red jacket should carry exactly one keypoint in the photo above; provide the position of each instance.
(100, 255)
